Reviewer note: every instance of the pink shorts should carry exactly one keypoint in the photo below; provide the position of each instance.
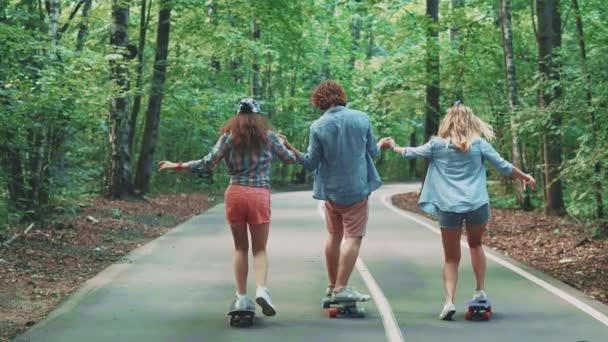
(247, 204)
(350, 220)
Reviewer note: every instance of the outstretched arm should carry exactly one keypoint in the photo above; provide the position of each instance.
(504, 167)
(207, 163)
(424, 151)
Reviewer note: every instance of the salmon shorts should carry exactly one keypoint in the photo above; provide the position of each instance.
(349, 220)
(247, 204)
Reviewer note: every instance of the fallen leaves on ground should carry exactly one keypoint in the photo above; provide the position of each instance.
(41, 268)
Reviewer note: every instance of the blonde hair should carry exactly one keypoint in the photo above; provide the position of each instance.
(461, 127)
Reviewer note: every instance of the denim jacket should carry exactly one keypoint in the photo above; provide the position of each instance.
(456, 181)
(341, 151)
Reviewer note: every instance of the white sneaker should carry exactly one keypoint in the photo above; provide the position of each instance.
(241, 303)
(329, 291)
(262, 297)
(348, 294)
(480, 295)
(448, 311)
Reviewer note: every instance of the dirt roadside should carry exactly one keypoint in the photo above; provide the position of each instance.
(38, 270)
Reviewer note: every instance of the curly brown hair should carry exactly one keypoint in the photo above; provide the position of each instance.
(249, 131)
(328, 94)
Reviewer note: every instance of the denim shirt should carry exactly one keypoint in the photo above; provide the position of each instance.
(456, 181)
(341, 151)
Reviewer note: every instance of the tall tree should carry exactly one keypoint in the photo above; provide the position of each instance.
(355, 36)
(549, 42)
(83, 28)
(455, 38)
(39, 136)
(597, 166)
(144, 19)
(148, 146)
(118, 179)
(256, 89)
(432, 69)
(325, 67)
(523, 198)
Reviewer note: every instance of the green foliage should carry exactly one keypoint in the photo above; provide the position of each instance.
(376, 49)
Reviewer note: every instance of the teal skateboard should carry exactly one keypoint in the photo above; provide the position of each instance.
(478, 310)
(342, 308)
(242, 317)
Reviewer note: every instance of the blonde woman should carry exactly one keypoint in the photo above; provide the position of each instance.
(455, 191)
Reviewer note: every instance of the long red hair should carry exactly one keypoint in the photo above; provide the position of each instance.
(248, 131)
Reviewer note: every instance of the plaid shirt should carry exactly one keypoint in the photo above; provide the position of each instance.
(250, 169)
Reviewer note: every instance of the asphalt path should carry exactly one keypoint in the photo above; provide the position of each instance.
(179, 287)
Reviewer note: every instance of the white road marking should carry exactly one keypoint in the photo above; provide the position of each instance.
(391, 327)
(559, 293)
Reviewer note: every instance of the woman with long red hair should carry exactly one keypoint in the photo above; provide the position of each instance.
(248, 146)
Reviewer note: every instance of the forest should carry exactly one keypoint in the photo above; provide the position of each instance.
(95, 93)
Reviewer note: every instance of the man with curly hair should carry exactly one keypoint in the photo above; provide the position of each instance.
(341, 151)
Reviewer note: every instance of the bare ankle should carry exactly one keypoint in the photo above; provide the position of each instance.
(338, 288)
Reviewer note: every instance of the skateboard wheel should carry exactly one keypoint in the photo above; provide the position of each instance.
(332, 312)
(489, 309)
(486, 315)
(468, 315)
(360, 312)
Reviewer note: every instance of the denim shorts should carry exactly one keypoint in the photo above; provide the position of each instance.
(449, 220)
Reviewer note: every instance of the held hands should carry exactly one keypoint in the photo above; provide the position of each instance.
(285, 142)
(386, 143)
(288, 145)
(283, 138)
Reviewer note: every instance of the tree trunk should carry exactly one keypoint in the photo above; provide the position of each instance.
(268, 89)
(431, 122)
(549, 40)
(118, 180)
(54, 13)
(432, 69)
(355, 35)
(3, 6)
(457, 45)
(143, 30)
(597, 167)
(256, 90)
(523, 197)
(39, 136)
(14, 166)
(148, 146)
(412, 162)
(212, 10)
(325, 68)
(83, 28)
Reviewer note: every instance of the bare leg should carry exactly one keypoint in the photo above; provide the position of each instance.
(451, 249)
(259, 237)
(241, 247)
(332, 256)
(348, 258)
(478, 256)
